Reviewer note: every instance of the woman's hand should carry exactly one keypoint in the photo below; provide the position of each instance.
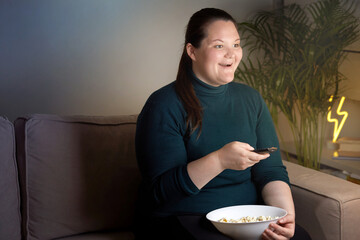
(283, 229)
(239, 156)
(234, 155)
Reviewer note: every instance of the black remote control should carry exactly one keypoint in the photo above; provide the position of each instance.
(265, 150)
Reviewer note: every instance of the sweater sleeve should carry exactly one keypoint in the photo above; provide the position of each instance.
(272, 168)
(161, 151)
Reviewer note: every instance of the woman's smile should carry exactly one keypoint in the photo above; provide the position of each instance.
(225, 64)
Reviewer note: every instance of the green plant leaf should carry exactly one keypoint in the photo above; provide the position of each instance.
(294, 58)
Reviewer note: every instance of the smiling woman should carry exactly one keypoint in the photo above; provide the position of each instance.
(195, 139)
(201, 34)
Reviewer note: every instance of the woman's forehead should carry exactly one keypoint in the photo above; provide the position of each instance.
(221, 30)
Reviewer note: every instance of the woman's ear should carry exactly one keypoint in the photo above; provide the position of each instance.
(190, 49)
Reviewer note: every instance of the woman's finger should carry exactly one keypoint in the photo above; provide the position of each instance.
(282, 231)
(287, 219)
(270, 235)
(257, 157)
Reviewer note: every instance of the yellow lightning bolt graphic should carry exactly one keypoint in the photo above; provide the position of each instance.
(337, 127)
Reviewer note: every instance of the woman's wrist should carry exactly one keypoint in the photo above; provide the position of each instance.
(203, 170)
(217, 158)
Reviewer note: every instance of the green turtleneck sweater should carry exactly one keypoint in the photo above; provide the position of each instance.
(231, 112)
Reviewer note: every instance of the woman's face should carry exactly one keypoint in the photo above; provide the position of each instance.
(219, 54)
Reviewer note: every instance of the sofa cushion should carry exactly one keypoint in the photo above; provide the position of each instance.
(9, 187)
(78, 174)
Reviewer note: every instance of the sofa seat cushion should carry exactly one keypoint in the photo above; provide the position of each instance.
(9, 187)
(78, 174)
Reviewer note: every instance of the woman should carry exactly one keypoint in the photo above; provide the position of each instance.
(195, 139)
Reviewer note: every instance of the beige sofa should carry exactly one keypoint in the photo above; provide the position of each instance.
(326, 206)
(76, 178)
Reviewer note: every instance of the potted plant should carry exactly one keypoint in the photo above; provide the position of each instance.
(294, 54)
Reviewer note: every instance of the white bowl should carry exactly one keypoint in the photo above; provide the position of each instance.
(248, 231)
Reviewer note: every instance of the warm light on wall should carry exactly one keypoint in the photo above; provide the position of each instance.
(337, 127)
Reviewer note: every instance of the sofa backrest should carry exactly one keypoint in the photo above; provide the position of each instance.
(9, 190)
(77, 174)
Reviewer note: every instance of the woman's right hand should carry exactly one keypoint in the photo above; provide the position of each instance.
(239, 156)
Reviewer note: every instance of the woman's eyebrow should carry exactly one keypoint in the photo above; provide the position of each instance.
(219, 40)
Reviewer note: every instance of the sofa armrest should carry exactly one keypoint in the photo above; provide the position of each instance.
(326, 206)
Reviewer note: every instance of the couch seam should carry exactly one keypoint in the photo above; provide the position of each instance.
(342, 222)
(16, 174)
(26, 177)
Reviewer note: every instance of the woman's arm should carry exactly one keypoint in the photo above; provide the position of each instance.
(234, 155)
(162, 154)
(278, 194)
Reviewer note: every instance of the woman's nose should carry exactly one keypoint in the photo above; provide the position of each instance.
(229, 53)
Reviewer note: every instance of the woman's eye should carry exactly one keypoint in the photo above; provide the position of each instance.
(236, 45)
(218, 46)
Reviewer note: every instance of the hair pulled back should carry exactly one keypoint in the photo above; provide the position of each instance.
(195, 33)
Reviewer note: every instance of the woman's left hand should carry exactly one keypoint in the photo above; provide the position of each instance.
(282, 229)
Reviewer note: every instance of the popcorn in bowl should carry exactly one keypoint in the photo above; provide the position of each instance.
(247, 219)
(227, 220)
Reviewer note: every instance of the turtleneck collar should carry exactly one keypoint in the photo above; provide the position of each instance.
(201, 87)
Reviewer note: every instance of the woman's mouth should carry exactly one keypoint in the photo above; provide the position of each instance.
(226, 64)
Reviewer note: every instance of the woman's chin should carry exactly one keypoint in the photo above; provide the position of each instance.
(227, 79)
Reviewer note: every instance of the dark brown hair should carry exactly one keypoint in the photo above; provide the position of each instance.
(195, 33)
